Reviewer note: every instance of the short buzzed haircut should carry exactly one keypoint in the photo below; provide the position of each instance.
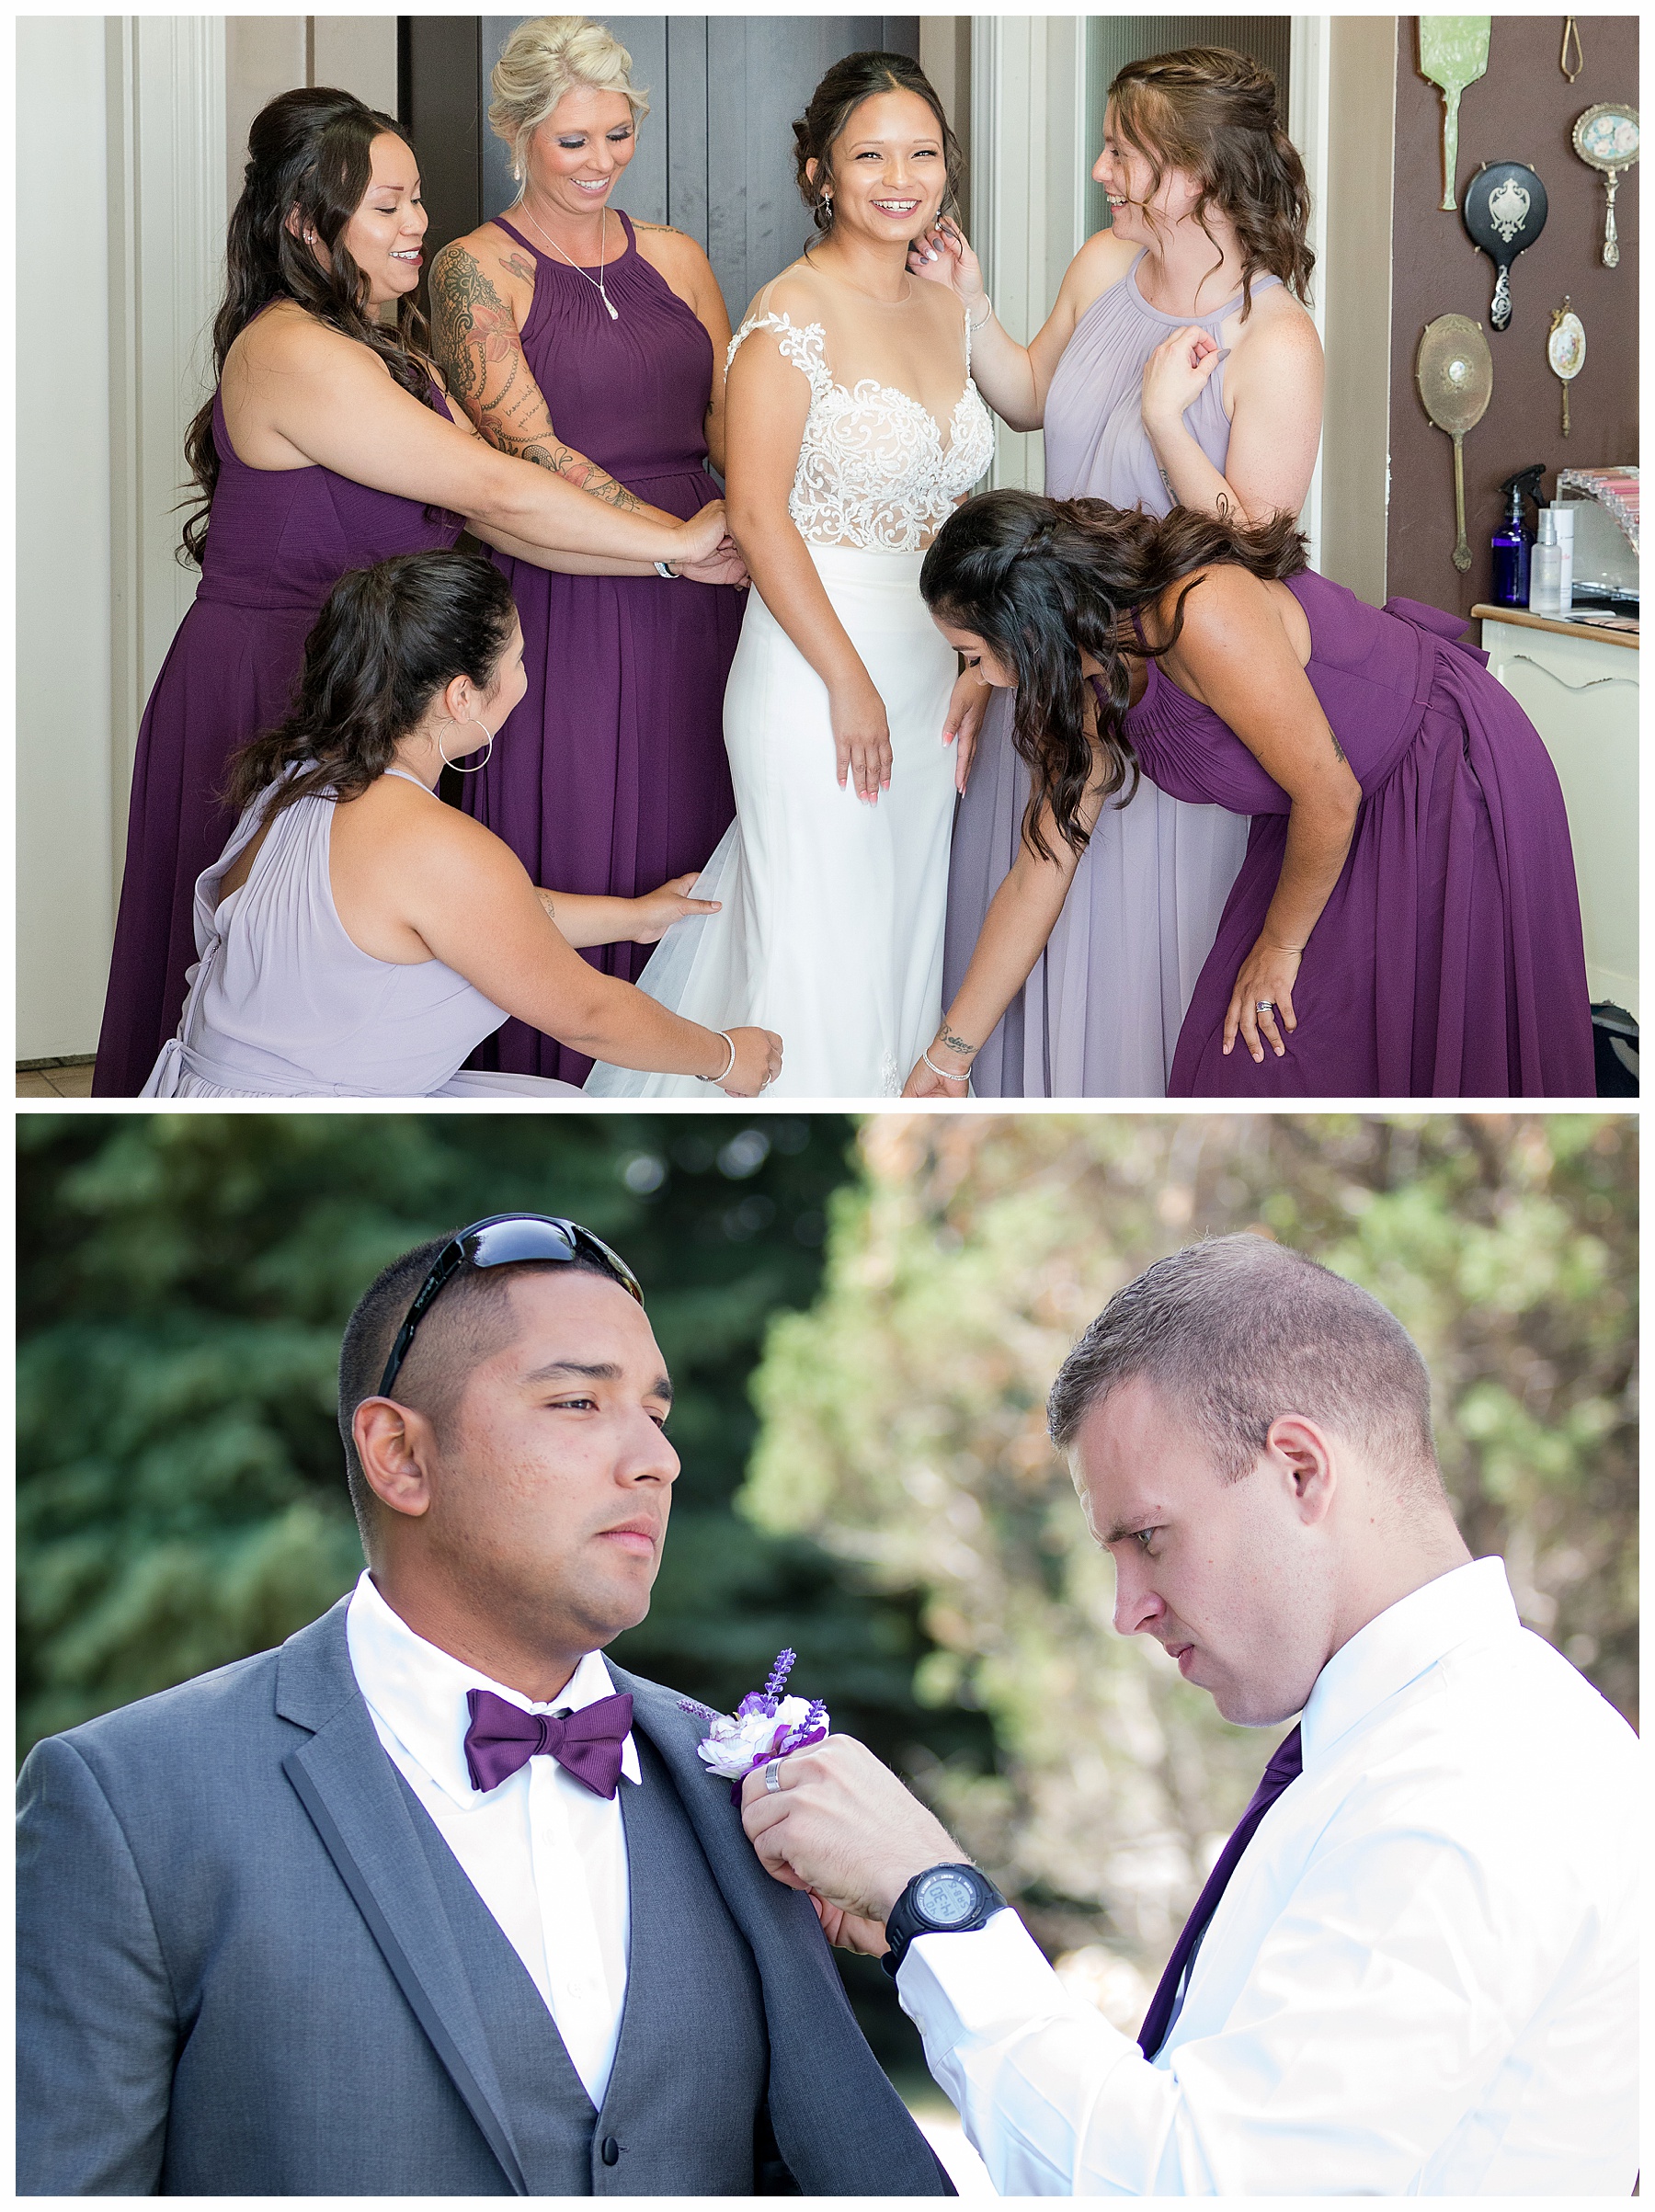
(461, 1327)
(1236, 1331)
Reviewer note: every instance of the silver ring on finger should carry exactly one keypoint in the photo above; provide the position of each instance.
(1264, 1006)
(772, 1776)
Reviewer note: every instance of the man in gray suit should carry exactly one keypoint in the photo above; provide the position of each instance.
(430, 1901)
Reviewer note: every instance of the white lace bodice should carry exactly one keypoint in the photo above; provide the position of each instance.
(873, 470)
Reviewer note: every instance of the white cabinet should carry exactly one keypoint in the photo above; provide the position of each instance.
(1580, 692)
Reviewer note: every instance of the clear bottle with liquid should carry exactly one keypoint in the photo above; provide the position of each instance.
(1546, 569)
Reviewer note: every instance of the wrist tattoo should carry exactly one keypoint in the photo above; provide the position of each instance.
(953, 1043)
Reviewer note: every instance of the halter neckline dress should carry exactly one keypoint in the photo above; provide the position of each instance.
(610, 778)
(1100, 1012)
(1448, 961)
(277, 541)
(283, 1003)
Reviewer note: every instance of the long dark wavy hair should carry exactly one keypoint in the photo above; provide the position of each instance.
(308, 152)
(858, 77)
(1214, 114)
(390, 638)
(1042, 580)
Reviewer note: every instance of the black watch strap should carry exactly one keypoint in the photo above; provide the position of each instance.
(971, 1902)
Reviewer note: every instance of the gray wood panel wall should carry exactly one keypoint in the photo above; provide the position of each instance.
(715, 153)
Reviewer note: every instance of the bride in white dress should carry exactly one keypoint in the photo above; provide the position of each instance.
(854, 431)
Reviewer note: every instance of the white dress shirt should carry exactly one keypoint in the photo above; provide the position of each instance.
(1421, 1980)
(545, 1854)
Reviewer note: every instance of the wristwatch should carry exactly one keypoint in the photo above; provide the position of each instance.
(943, 1900)
(665, 568)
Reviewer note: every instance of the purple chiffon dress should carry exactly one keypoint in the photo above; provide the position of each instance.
(1099, 1014)
(278, 542)
(1447, 962)
(611, 777)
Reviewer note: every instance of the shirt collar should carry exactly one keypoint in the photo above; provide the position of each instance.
(1403, 1643)
(418, 1692)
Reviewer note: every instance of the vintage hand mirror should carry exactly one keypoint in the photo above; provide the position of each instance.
(1454, 371)
(1504, 213)
(1607, 136)
(1454, 53)
(1566, 350)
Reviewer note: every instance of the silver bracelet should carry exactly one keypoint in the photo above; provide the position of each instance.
(730, 1062)
(949, 1075)
(665, 568)
(987, 316)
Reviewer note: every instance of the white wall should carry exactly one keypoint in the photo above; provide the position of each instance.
(64, 896)
(135, 208)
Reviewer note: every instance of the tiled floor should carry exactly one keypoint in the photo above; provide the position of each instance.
(73, 1081)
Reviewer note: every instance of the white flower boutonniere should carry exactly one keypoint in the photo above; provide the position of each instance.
(765, 1725)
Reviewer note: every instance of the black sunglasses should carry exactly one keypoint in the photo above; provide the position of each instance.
(500, 1241)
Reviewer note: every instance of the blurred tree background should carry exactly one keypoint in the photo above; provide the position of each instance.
(905, 1430)
(184, 1280)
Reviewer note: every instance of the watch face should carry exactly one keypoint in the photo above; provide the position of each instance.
(946, 1898)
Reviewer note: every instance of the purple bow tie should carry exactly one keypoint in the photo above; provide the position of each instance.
(502, 1738)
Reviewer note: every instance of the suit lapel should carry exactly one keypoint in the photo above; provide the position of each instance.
(347, 1785)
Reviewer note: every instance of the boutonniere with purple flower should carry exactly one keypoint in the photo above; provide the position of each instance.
(766, 1724)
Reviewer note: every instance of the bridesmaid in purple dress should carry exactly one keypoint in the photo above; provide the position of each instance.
(327, 446)
(595, 346)
(1177, 368)
(1406, 923)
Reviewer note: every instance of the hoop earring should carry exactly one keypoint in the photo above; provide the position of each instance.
(455, 764)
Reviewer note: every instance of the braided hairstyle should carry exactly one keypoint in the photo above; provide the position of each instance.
(856, 78)
(1214, 114)
(390, 639)
(1040, 581)
(309, 153)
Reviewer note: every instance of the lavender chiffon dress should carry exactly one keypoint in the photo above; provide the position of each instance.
(1447, 962)
(278, 542)
(1099, 1014)
(284, 1004)
(610, 776)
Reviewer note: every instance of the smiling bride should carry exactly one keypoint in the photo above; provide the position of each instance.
(854, 431)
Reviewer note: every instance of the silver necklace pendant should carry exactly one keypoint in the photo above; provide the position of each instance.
(596, 282)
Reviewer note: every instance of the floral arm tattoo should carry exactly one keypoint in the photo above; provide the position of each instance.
(480, 351)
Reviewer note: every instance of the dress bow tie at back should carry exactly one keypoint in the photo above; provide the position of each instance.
(502, 1738)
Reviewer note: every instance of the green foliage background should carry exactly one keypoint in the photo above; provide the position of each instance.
(905, 1430)
(184, 1280)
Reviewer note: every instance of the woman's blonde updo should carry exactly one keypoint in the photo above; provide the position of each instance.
(543, 60)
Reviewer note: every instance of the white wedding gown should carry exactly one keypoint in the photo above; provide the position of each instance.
(831, 932)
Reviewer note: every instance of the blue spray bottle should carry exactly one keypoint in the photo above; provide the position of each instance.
(1513, 540)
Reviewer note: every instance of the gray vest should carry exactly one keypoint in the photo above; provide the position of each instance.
(685, 2106)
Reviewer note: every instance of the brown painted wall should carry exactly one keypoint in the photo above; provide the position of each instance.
(1522, 109)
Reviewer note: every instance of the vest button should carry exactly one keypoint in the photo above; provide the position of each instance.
(612, 2151)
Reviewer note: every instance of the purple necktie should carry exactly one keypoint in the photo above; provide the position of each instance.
(1283, 1769)
(502, 1738)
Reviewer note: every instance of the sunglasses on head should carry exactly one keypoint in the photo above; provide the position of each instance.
(505, 1241)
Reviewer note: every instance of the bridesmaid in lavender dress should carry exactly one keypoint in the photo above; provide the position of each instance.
(326, 447)
(356, 938)
(595, 348)
(1177, 368)
(1406, 922)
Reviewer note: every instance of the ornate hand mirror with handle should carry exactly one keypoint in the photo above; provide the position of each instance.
(1504, 213)
(1607, 136)
(1454, 371)
(1454, 53)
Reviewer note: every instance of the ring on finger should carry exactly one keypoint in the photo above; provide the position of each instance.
(1264, 1006)
(772, 1776)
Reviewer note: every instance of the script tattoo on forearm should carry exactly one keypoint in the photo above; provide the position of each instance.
(951, 1043)
(480, 350)
(1338, 748)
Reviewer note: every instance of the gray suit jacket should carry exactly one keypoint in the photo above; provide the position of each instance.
(236, 1975)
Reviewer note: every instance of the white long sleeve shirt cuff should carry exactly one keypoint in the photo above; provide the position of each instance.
(1028, 2066)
